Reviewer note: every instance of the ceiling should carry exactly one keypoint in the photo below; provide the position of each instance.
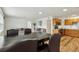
(33, 12)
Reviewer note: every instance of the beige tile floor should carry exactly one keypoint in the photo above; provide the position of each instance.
(69, 44)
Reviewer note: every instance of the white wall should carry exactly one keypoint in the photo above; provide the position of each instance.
(14, 23)
(1, 29)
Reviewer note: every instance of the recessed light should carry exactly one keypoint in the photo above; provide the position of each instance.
(40, 12)
(65, 10)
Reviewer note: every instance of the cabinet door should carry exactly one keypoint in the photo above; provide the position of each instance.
(71, 21)
(56, 21)
(68, 22)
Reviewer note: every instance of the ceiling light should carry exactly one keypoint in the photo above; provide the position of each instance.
(40, 12)
(65, 10)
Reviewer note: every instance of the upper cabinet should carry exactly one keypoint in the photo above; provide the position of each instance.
(56, 21)
(71, 21)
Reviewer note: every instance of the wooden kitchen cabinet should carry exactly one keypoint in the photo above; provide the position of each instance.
(57, 21)
(71, 21)
(68, 22)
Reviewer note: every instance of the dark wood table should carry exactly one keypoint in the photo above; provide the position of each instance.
(26, 43)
